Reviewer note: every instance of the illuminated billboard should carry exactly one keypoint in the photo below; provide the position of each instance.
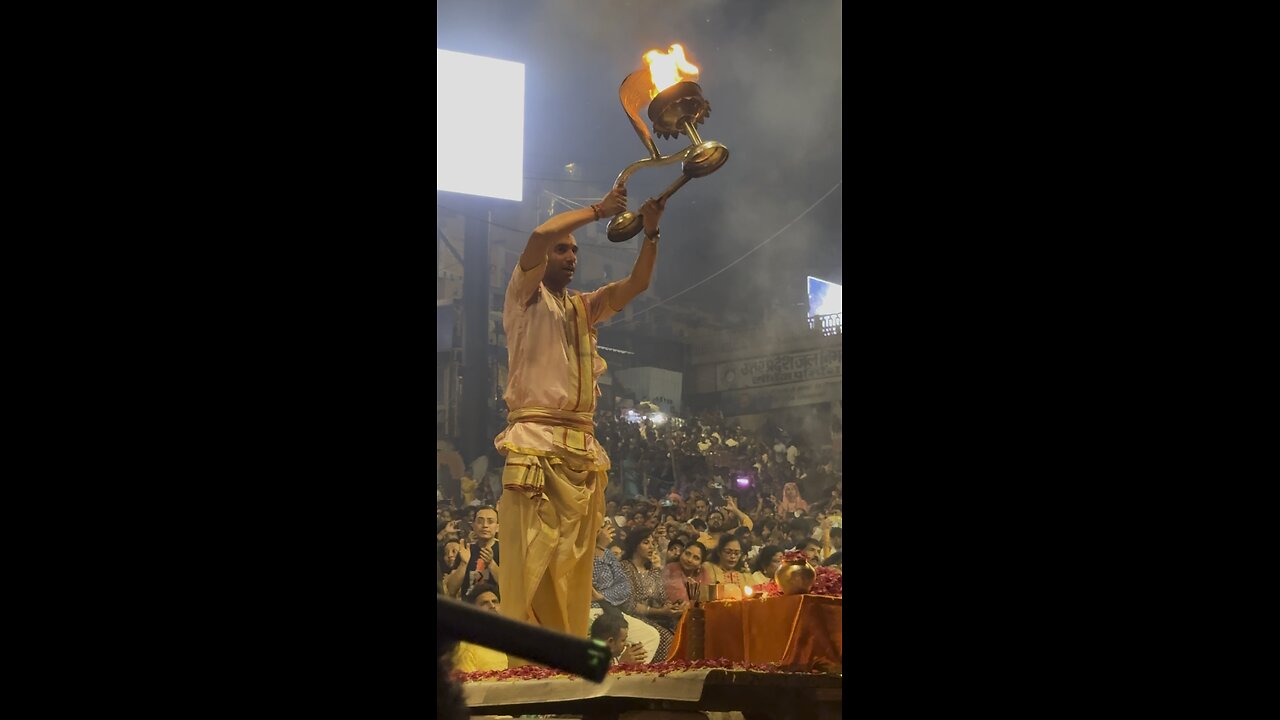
(479, 125)
(825, 298)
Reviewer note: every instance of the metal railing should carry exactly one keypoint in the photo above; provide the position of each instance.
(828, 324)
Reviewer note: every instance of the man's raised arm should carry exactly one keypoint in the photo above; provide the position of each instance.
(556, 227)
(638, 281)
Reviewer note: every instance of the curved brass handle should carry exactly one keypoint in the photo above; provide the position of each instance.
(625, 226)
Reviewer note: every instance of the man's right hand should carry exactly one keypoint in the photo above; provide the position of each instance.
(464, 552)
(615, 203)
(634, 654)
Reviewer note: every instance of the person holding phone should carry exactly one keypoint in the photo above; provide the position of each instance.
(478, 560)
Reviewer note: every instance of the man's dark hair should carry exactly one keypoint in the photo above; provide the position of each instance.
(607, 625)
(810, 541)
(676, 542)
(764, 556)
(483, 587)
(485, 507)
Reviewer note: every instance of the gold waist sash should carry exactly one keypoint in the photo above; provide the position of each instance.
(551, 416)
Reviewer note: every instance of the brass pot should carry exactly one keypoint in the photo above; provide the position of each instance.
(795, 578)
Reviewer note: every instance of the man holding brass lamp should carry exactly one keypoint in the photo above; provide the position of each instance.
(554, 479)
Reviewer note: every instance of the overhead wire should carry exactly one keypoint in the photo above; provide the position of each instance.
(744, 256)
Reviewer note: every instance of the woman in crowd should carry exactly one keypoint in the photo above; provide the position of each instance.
(611, 592)
(649, 600)
(791, 500)
(449, 558)
(766, 564)
(721, 567)
(688, 567)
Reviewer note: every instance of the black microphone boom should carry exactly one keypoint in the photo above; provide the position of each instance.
(580, 656)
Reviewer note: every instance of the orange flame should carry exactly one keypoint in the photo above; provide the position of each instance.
(667, 69)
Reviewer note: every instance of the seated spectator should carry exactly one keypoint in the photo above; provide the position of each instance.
(747, 539)
(765, 566)
(449, 559)
(470, 657)
(611, 591)
(813, 548)
(722, 566)
(674, 549)
(823, 535)
(717, 522)
(688, 567)
(699, 526)
(791, 500)
(480, 557)
(660, 540)
(612, 630)
(648, 596)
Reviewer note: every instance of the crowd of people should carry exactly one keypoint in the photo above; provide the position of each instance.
(691, 499)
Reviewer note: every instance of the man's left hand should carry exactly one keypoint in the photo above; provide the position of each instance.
(652, 212)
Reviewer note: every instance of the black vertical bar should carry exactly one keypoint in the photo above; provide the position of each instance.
(475, 313)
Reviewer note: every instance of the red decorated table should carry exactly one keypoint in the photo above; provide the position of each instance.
(763, 654)
(791, 630)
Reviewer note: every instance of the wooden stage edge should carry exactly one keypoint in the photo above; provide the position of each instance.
(758, 695)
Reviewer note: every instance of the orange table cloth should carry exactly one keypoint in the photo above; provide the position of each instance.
(788, 629)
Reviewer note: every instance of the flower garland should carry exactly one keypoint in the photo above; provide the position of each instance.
(794, 556)
(769, 589)
(538, 672)
(828, 582)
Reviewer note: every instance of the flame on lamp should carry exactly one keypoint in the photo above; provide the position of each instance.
(746, 590)
(667, 69)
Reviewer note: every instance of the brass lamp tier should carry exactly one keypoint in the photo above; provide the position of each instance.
(677, 109)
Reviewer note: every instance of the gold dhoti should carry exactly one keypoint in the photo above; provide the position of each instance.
(548, 516)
